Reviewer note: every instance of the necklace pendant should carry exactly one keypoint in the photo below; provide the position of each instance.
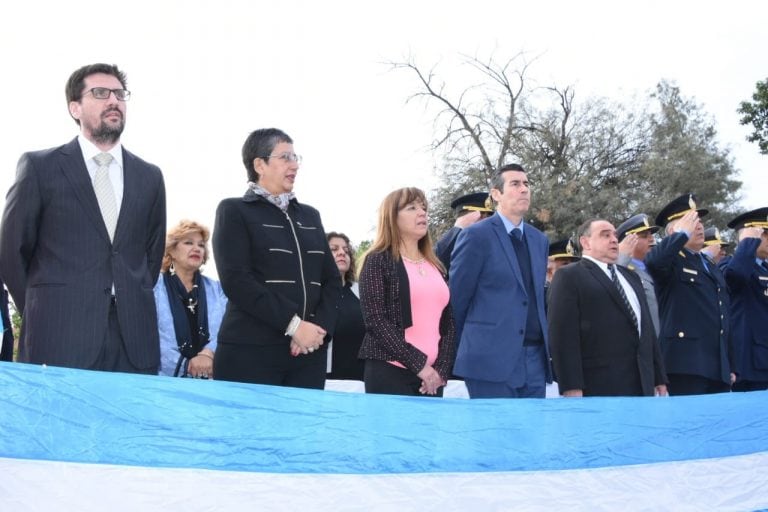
(191, 306)
(422, 272)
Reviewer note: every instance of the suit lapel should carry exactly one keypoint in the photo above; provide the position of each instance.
(506, 247)
(606, 283)
(131, 191)
(538, 265)
(74, 170)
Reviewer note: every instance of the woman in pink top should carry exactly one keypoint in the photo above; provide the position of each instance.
(409, 336)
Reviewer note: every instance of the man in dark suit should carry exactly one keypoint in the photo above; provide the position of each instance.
(498, 270)
(82, 239)
(747, 276)
(695, 335)
(600, 330)
(469, 209)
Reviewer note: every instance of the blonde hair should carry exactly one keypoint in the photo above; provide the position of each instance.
(388, 234)
(176, 234)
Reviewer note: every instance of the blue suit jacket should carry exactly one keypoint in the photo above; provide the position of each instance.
(490, 303)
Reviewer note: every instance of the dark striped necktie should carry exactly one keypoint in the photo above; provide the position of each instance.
(615, 279)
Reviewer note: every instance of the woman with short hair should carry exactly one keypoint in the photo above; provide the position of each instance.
(277, 270)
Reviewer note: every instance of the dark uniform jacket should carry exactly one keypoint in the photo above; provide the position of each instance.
(385, 299)
(748, 286)
(595, 344)
(272, 265)
(693, 310)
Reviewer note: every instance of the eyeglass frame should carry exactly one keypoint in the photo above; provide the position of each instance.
(117, 92)
(286, 156)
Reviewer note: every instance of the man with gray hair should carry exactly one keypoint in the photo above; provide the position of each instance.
(635, 242)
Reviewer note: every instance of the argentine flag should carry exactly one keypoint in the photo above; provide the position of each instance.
(79, 440)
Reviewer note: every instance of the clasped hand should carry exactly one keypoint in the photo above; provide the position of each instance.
(307, 338)
(430, 381)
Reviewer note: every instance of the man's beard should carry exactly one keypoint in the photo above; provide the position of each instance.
(106, 133)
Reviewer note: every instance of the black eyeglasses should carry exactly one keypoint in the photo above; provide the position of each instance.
(102, 93)
(287, 157)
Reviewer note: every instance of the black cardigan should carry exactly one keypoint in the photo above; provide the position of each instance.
(385, 299)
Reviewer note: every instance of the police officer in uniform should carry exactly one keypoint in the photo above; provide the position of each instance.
(714, 245)
(747, 276)
(694, 314)
(635, 242)
(561, 253)
(469, 209)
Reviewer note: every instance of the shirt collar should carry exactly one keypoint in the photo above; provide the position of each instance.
(90, 150)
(509, 225)
(638, 263)
(600, 264)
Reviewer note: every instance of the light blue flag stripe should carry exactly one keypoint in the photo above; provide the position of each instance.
(93, 417)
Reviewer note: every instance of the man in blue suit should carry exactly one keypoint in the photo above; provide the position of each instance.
(498, 271)
(747, 277)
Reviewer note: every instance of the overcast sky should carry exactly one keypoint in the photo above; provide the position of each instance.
(205, 74)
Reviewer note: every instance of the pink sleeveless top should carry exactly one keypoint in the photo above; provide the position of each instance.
(429, 296)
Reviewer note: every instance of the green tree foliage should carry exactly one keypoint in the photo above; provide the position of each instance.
(684, 156)
(593, 158)
(361, 248)
(755, 113)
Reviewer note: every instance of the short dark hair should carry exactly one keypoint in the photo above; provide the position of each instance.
(76, 83)
(349, 275)
(260, 144)
(497, 180)
(585, 229)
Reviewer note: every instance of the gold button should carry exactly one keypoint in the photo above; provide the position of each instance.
(680, 334)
